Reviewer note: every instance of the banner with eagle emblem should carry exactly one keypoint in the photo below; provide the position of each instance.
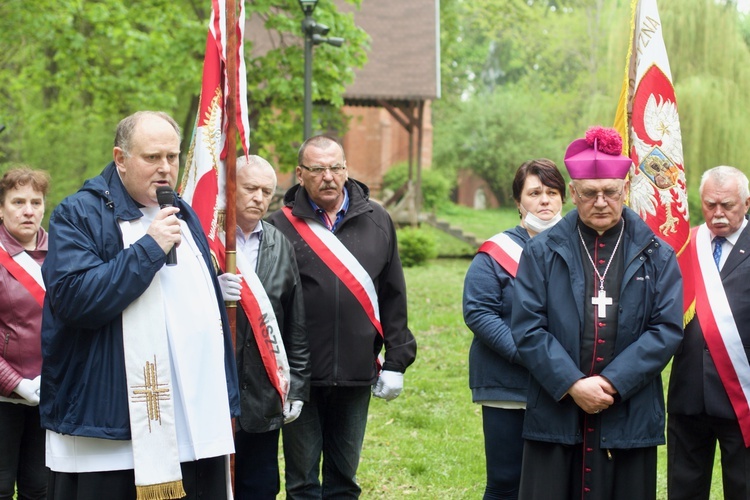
(204, 179)
(649, 124)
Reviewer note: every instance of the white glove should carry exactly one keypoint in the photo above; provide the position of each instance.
(231, 286)
(389, 385)
(292, 409)
(28, 389)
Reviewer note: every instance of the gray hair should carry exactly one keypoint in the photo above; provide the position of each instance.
(318, 141)
(723, 175)
(126, 127)
(256, 162)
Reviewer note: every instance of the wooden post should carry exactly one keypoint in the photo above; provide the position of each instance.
(230, 220)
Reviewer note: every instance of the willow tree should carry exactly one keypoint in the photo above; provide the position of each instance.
(538, 74)
(711, 67)
(707, 45)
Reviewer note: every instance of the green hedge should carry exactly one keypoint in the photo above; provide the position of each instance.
(415, 246)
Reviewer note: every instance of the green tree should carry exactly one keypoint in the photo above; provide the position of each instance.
(569, 58)
(537, 80)
(710, 64)
(492, 135)
(276, 79)
(436, 187)
(71, 69)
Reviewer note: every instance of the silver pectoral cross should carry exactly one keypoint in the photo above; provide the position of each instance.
(601, 302)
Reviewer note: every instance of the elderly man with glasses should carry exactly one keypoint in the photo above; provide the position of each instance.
(355, 304)
(597, 316)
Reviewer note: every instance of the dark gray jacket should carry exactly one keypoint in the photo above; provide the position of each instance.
(259, 400)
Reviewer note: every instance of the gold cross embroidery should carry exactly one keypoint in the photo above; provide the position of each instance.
(151, 393)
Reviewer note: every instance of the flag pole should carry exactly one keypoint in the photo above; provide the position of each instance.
(230, 220)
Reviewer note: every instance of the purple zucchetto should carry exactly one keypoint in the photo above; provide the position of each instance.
(597, 156)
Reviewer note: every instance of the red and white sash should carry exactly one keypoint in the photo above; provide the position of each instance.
(26, 270)
(719, 329)
(259, 311)
(504, 250)
(341, 262)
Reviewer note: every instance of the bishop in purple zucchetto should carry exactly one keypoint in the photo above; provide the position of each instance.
(597, 156)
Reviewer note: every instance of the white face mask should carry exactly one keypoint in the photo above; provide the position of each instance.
(534, 223)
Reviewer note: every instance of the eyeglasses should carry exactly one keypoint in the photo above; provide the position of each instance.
(588, 195)
(315, 170)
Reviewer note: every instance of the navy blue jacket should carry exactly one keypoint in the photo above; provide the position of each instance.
(548, 324)
(90, 280)
(494, 370)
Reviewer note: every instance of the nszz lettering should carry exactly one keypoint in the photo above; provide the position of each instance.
(268, 333)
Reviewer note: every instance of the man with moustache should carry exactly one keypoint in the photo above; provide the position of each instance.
(355, 303)
(139, 382)
(597, 315)
(273, 359)
(710, 381)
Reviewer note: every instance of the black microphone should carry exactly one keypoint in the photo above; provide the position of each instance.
(165, 198)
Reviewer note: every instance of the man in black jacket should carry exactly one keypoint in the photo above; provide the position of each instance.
(273, 359)
(355, 303)
(708, 388)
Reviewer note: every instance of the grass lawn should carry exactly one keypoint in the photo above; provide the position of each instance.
(428, 442)
(480, 223)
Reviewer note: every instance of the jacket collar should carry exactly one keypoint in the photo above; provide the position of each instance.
(740, 252)
(635, 230)
(359, 195)
(13, 247)
(267, 255)
(110, 188)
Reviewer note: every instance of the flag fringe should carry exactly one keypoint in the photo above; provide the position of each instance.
(689, 314)
(161, 491)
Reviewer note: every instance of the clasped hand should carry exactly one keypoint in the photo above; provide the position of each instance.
(593, 394)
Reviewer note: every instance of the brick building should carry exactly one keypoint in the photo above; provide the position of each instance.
(389, 102)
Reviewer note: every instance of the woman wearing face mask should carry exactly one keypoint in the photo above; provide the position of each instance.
(498, 382)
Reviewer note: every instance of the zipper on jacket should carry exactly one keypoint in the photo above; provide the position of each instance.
(336, 335)
(5, 343)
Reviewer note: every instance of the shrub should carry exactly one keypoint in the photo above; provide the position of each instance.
(436, 187)
(415, 246)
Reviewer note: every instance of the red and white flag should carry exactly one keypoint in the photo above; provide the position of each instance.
(649, 124)
(204, 180)
(203, 183)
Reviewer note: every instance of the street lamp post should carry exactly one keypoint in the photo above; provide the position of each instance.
(314, 35)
